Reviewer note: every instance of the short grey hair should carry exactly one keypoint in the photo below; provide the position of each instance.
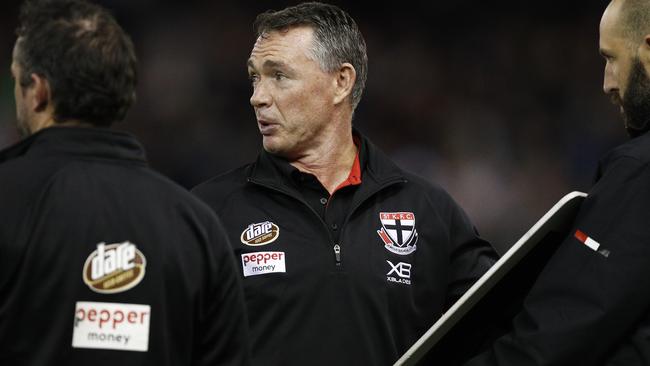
(635, 19)
(337, 38)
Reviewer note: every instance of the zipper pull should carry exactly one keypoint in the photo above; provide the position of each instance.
(337, 254)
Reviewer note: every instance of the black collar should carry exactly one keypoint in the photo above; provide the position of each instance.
(99, 143)
(376, 167)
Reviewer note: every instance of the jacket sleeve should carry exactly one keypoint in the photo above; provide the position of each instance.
(470, 256)
(589, 295)
(223, 336)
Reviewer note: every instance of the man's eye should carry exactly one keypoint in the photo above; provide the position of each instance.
(253, 78)
(607, 56)
(279, 76)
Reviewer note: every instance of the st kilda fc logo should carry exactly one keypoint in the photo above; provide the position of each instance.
(398, 232)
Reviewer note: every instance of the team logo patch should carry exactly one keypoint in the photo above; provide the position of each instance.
(399, 273)
(114, 268)
(262, 263)
(260, 234)
(398, 232)
(590, 243)
(105, 325)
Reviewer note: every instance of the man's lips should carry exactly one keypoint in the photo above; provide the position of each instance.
(266, 127)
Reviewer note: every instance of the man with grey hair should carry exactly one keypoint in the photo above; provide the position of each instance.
(346, 259)
(590, 305)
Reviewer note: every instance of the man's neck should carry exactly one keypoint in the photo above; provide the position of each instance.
(41, 124)
(330, 162)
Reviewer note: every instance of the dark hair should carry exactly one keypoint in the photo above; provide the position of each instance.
(86, 57)
(337, 38)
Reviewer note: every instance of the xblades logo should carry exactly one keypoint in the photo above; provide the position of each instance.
(402, 270)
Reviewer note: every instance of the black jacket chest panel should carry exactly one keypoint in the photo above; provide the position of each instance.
(388, 286)
(412, 286)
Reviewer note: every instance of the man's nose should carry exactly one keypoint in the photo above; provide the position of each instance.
(610, 82)
(260, 98)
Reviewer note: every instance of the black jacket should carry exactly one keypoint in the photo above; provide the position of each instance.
(590, 305)
(67, 195)
(357, 301)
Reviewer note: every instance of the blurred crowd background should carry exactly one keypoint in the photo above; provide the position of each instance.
(500, 102)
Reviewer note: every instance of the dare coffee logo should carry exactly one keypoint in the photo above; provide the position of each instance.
(260, 234)
(114, 268)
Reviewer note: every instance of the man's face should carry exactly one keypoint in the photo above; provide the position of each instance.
(23, 114)
(626, 80)
(636, 103)
(292, 95)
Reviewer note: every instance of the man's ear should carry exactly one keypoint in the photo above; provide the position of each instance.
(346, 76)
(644, 53)
(39, 92)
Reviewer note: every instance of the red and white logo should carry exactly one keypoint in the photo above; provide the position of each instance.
(116, 326)
(590, 243)
(398, 232)
(260, 263)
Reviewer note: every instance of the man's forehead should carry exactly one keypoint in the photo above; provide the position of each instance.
(16, 46)
(609, 20)
(612, 23)
(14, 56)
(282, 44)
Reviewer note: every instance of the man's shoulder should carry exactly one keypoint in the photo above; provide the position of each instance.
(630, 160)
(22, 178)
(425, 185)
(173, 191)
(427, 189)
(222, 185)
(383, 167)
(636, 149)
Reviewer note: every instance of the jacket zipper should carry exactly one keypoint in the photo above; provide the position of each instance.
(299, 200)
(337, 246)
(337, 254)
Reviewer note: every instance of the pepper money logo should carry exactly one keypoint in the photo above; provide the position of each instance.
(114, 268)
(260, 234)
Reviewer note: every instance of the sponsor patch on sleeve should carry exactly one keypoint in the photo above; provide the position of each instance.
(116, 326)
(590, 243)
(259, 263)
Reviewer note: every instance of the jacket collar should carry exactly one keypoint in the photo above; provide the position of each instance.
(100, 143)
(377, 168)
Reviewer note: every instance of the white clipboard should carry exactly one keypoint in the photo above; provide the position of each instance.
(557, 220)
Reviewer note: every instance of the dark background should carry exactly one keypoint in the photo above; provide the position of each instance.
(500, 102)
